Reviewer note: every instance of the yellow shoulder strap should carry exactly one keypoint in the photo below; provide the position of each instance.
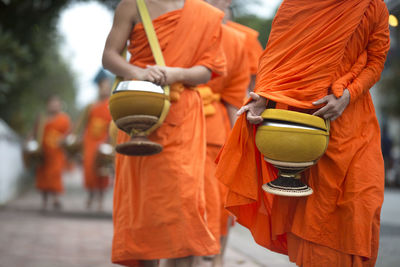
(157, 54)
(151, 36)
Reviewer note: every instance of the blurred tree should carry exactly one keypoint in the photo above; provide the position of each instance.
(30, 66)
(262, 25)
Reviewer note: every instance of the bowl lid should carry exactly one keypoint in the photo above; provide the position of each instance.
(294, 117)
(142, 86)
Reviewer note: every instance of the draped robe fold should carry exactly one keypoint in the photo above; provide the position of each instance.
(159, 202)
(317, 48)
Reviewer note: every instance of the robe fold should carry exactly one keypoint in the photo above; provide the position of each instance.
(232, 90)
(96, 133)
(159, 202)
(253, 46)
(49, 173)
(317, 48)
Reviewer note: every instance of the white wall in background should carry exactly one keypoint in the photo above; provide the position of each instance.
(11, 163)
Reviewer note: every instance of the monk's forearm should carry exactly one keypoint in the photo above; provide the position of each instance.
(194, 76)
(115, 63)
(367, 78)
(231, 110)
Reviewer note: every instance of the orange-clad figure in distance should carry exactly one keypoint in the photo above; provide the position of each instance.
(322, 58)
(49, 172)
(253, 46)
(96, 133)
(222, 97)
(159, 202)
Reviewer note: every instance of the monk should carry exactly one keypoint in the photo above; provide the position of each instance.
(253, 46)
(96, 133)
(322, 58)
(222, 98)
(159, 202)
(48, 174)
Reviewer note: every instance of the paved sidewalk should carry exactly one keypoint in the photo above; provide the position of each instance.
(79, 237)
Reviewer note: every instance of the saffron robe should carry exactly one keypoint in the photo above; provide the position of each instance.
(159, 203)
(252, 45)
(49, 172)
(317, 48)
(232, 90)
(96, 133)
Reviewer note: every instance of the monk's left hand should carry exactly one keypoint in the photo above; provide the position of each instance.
(334, 106)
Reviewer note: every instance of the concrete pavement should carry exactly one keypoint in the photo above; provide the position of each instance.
(79, 237)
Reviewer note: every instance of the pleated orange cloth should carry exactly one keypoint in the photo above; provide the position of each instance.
(252, 44)
(48, 174)
(96, 133)
(317, 48)
(159, 203)
(232, 90)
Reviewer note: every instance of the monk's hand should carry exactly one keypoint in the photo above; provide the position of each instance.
(334, 106)
(155, 74)
(254, 108)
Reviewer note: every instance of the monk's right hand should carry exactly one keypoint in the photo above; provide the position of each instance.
(155, 74)
(254, 108)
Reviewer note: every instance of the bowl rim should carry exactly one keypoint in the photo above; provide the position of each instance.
(144, 86)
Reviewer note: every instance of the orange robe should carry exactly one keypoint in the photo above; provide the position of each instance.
(159, 203)
(231, 89)
(96, 133)
(48, 174)
(316, 48)
(252, 45)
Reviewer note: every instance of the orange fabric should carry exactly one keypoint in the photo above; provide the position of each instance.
(232, 89)
(96, 133)
(252, 44)
(159, 205)
(299, 65)
(48, 174)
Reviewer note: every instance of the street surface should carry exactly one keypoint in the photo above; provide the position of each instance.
(79, 237)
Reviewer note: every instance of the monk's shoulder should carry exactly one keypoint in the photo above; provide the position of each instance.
(235, 37)
(128, 9)
(249, 32)
(205, 8)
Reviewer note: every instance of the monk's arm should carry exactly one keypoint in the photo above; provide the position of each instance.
(124, 19)
(231, 110)
(377, 49)
(188, 76)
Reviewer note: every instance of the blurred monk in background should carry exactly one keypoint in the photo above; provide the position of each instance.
(159, 203)
(49, 172)
(96, 133)
(222, 97)
(252, 45)
(322, 58)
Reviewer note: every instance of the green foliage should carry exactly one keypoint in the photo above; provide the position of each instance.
(262, 25)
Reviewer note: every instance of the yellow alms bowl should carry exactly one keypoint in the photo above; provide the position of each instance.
(136, 98)
(293, 137)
